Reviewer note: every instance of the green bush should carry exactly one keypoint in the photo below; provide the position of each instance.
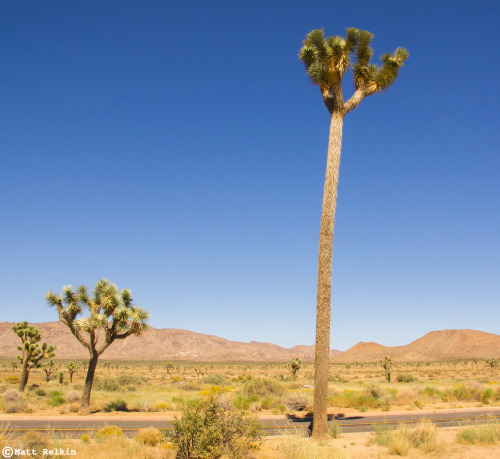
(243, 403)
(215, 379)
(12, 379)
(262, 387)
(149, 436)
(106, 432)
(57, 400)
(106, 384)
(405, 378)
(189, 386)
(480, 434)
(487, 396)
(85, 439)
(130, 380)
(116, 405)
(210, 429)
(54, 393)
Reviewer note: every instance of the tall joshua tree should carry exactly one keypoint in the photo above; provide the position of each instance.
(112, 316)
(31, 352)
(327, 59)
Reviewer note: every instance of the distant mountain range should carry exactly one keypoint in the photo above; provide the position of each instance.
(158, 344)
(172, 344)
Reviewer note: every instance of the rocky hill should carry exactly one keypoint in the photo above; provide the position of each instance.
(436, 345)
(172, 344)
(158, 344)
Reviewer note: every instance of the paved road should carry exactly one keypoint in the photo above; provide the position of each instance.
(360, 423)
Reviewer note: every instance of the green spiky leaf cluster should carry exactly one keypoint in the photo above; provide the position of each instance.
(108, 309)
(31, 352)
(327, 59)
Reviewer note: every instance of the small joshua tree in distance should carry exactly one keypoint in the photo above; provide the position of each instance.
(31, 353)
(294, 366)
(72, 369)
(48, 368)
(387, 363)
(492, 363)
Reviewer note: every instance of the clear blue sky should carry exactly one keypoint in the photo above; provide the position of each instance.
(179, 150)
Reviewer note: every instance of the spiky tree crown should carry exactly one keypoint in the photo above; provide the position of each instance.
(110, 310)
(32, 353)
(327, 59)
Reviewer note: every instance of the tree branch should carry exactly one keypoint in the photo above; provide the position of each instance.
(328, 100)
(354, 101)
(76, 333)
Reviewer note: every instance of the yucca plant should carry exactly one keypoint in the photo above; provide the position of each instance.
(327, 59)
(31, 352)
(112, 316)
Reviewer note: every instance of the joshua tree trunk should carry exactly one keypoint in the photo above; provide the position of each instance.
(24, 375)
(85, 405)
(322, 351)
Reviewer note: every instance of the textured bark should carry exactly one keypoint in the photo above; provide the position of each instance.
(85, 404)
(23, 380)
(322, 351)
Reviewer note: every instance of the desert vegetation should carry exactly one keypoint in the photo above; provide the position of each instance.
(262, 388)
(112, 316)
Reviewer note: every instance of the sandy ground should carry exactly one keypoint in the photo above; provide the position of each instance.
(358, 446)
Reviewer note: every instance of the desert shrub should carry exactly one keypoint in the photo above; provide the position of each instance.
(149, 436)
(406, 378)
(162, 406)
(116, 405)
(40, 392)
(85, 439)
(487, 395)
(297, 403)
(130, 380)
(54, 393)
(13, 401)
(210, 428)
(106, 384)
(375, 391)
(57, 400)
(479, 434)
(80, 386)
(462, 392)
(335, 429)
(3, 389)
(35, 441)
(295, 447)
(179, 402)
(215, 379)
(189, 386)
(12, 379)
(402, 439)
(12, 395)
(74, 407)
(353, 399)
(337, 377)
(280, 408)
(72, 396)
(267, 403)
(107, 432)
(429, 393)
(262, 387)
(243, 403)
